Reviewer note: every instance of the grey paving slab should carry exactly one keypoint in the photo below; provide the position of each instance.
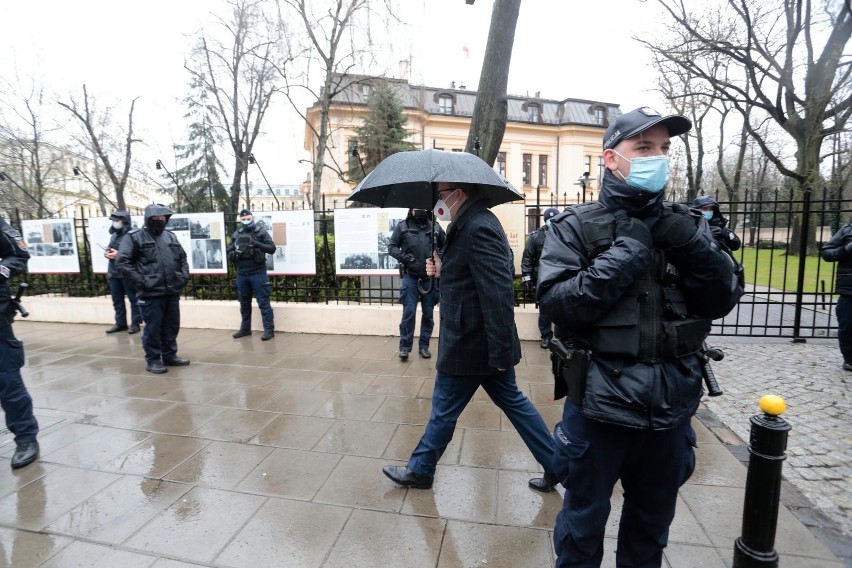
(270, 454)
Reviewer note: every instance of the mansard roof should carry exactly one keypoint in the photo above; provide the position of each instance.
(355, 91)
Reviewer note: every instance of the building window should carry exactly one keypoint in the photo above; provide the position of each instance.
(542, 170)
(527, 169)
(445, 104)
(587, 164)
(352, 145)
(501, 163)
(535, 112)
(365, 92)
(600, 115)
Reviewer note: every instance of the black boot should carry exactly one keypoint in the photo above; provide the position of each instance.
(545, 483)
(25, 454)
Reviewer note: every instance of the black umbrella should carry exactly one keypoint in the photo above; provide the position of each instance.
(410, 179)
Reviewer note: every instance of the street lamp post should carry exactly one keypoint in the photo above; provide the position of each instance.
(78, 172)
(253, 160)
(159, 165)
(584, 181)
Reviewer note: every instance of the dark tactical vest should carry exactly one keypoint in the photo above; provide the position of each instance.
(651, 320)
(246, 250)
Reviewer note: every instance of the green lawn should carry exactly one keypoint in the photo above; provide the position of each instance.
(765, 267)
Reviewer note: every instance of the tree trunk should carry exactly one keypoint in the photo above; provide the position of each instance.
(489, 113)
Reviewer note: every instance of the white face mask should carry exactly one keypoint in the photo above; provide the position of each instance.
(442, 210)
(117, 224)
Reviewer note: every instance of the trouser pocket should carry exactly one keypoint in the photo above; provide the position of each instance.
(11, 354)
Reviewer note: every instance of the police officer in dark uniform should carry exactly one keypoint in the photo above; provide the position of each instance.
(632, 285)
(248, 249)
(709, 208)
(14, 398)
(154, 262)
(529, 270)
(118, 286)
(839, 249)
(411, 244)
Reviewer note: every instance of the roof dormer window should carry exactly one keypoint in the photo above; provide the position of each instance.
(445, 104)
(534, 111)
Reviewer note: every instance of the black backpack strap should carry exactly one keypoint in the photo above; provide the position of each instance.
(597, 224)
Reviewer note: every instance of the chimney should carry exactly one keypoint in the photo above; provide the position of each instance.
(462, 86)
(452, 84)
(538, 94)
(404, 69)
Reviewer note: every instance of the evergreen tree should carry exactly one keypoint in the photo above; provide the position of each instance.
(201, 165)
(383, 132)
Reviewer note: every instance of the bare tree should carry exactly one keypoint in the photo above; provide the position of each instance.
(491, 108)
(102, 144)
(27, 155)
(242, 73)
(327, 25)
(783, 75)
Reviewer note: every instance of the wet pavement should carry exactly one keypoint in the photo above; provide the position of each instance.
(270, 454)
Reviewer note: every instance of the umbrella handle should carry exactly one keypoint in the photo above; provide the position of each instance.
(427, 288)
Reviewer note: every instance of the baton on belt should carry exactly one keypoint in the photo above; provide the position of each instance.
(16, 301)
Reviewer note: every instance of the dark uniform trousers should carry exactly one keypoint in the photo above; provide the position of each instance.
(590, 456)
(16, 401)
(118, 288)
(162, 324)
(256, 283)
(843, 313)
(409, 297)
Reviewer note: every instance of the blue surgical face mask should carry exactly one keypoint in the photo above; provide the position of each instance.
(649, 174)
(707, 214)
(245, 222)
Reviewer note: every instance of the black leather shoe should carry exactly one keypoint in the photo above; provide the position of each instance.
(401, 475)
(116, 328)
(425, 353)
(241, 333)
(847, 366)
(544, 484)
(403, 355)
(176, 362)
(134, 329)
(25, 454)
(156, 367)
(267, 335)
(545, 342)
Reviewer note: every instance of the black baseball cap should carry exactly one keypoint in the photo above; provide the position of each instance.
(632, 123)
(244, 212)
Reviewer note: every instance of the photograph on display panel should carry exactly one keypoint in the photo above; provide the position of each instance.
(293, 235)
(202, 236)
(361, 240)
(52, 245)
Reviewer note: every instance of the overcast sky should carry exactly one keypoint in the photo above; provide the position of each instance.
(124, 49)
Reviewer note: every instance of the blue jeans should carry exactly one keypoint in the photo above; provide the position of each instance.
(14, 398)
(449, 399)
(162, 324)
(409, 297)
(256, 283)
(589, 457)
(118, 288)
(843, 313)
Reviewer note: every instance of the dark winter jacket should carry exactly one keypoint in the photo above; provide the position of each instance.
(478, 333)
(581, 282)
(116, 235)
(13, 261)
(248, 248)
(156, 265)
(839, 249)
(532, 253)
(411, 244)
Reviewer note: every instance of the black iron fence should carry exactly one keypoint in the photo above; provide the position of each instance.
(788, 294)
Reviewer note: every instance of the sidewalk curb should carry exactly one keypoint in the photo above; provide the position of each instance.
(823, 528)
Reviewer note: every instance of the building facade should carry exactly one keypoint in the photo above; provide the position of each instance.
(551, 149)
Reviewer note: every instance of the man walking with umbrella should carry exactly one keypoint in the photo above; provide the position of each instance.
(478, 344)
(411, 244)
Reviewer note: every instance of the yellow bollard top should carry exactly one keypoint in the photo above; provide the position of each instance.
(772, 404)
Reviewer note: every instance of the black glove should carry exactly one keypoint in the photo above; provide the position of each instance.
(5, 273)
(632, 228)
(409, 259)
(528, 284)
(674, 228)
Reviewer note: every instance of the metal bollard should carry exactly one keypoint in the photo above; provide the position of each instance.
(767, 443)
